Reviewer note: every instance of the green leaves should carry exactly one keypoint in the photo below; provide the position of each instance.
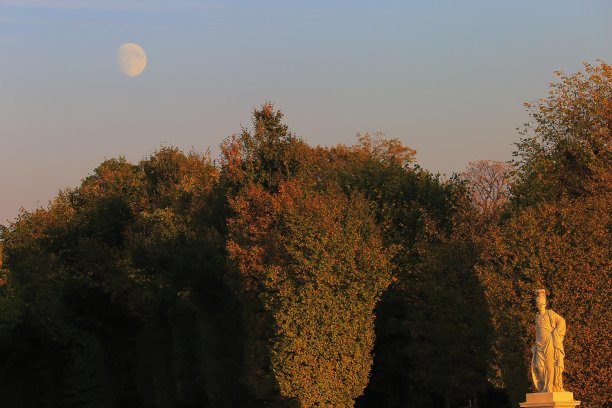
(557, 236)
(566, 146)
(122, 279)
(318, 266)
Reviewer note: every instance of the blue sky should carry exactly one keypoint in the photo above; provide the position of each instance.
(448, 78)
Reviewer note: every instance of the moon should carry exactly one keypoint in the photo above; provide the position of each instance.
(131, 59)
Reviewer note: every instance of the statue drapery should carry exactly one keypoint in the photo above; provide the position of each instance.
(547, 363)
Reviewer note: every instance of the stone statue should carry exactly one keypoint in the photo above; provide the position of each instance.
(547, 363)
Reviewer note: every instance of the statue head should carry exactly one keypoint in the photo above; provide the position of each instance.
(541, 300)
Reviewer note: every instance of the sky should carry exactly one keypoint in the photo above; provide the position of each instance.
(447, 78)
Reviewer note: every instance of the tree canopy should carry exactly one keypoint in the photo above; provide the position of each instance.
(557, 237)
(289, 275)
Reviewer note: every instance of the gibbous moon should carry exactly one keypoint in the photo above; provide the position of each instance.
(132, 59)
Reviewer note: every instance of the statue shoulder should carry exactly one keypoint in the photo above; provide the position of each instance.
(554, 315)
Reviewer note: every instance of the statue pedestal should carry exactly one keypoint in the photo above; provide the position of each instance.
(550, 400)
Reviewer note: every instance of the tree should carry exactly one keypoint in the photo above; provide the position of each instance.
(564, 248)
(3, 273)
(565, 149)
(435, 287)
(489, 187)
(267, 155)
(119, 293)
(308, 264)
(557, 237)
(315, 264)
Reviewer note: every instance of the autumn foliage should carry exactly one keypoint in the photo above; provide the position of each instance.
(557, 237)
(565, 149)
(565, 248)
(288, 275)
(307, 261)
(116, 294)
(315, 264)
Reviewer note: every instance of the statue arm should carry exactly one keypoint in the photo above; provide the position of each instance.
(558, 334)
(559, 325)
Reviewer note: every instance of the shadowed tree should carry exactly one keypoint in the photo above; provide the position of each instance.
(119, 293)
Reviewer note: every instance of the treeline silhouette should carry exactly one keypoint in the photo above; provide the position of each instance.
(287, 275)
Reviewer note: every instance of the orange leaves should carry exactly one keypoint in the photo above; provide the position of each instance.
(566, 150)
(564, 247)
(232, 158)
(114, 176)
(182, 181)
(316, 264)
(374, 146)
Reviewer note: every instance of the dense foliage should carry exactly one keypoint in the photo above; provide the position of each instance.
(314, 265)
(116, 294)
(557, 236)
(288, 275)
(309, 265)
(564, 248)
(565, 149)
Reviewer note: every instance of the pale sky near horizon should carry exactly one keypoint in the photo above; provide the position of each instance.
(447, 78)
